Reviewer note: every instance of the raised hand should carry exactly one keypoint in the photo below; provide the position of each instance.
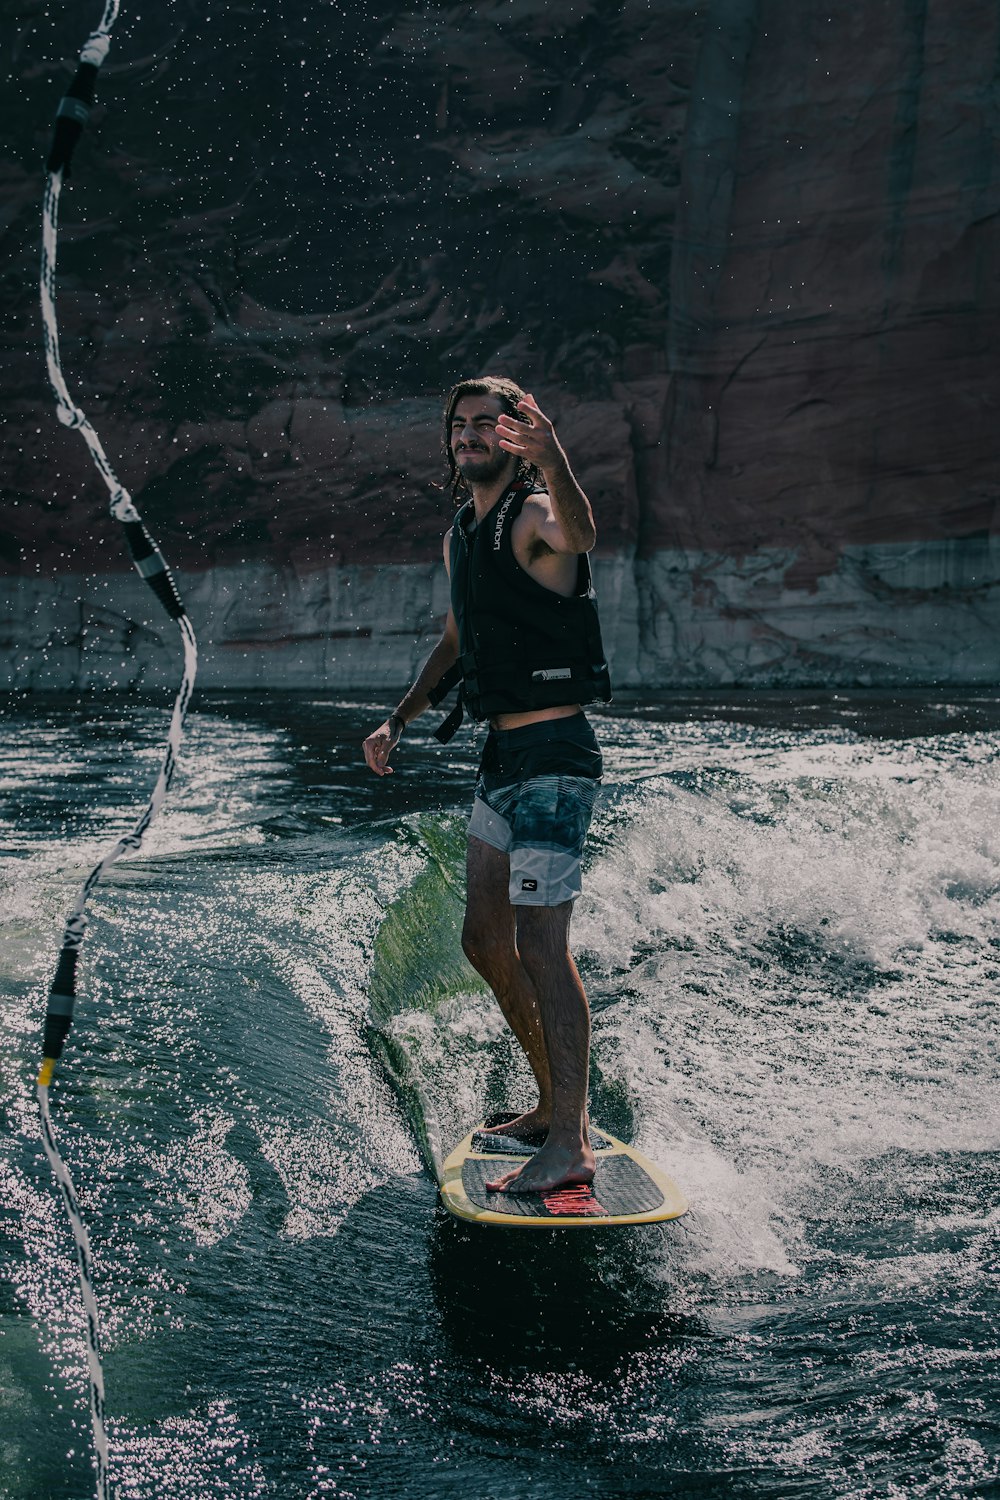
(533, 438)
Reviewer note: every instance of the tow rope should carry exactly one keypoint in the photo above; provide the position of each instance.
(71, 117)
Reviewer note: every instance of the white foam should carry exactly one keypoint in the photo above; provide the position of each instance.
(804, 951)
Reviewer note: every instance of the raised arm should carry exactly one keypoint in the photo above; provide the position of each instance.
(569, 527)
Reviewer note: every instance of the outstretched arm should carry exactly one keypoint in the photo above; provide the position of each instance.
(379, 746)
(570, 527)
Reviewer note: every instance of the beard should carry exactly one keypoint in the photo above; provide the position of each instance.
(484, 470)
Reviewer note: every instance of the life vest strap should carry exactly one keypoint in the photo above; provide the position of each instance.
(449, 727)
(443, 687)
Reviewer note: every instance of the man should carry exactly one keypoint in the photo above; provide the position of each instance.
(523, 636)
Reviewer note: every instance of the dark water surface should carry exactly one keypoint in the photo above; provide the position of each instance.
(790, 932)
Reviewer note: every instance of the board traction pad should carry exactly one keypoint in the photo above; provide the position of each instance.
(620, 1186)
(627, 1188)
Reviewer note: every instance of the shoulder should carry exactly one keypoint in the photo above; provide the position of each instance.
(537, 508)
(538, 529)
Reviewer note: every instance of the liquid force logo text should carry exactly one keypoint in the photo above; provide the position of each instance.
(498, 530)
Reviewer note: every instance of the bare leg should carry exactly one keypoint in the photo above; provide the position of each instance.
(566, 1157)
(488, 939)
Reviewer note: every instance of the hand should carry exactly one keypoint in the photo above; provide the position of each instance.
(534, 439)
(378, 746)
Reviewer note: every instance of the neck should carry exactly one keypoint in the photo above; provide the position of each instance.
(485, 496)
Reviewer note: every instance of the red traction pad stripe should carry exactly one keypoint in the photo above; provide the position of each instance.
(576, 1201)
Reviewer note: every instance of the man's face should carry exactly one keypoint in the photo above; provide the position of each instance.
(473, 439)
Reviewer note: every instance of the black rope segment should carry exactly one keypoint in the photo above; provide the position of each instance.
(149, 561)
(59, 1016)
(71, 116)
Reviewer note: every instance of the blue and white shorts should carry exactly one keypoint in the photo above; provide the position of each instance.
(534, 798)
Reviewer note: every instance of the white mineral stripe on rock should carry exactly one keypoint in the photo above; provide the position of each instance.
(892, 614)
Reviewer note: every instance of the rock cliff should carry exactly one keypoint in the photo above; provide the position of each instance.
(745, 252)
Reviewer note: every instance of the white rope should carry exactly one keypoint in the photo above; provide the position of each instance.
(151, 566)
(85, 1266)
(69, 414)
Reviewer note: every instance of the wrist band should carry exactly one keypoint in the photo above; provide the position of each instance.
(395, 718)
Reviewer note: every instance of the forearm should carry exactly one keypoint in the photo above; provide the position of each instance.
(570, 506)
(444, 655)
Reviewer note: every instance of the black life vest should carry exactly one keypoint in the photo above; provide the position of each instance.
(522, 646)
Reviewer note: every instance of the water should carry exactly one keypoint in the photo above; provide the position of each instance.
(790, 933)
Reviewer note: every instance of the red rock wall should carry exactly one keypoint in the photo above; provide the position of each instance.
(746, 252)
(836, 283)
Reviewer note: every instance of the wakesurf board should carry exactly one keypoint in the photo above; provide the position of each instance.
(627, 1187)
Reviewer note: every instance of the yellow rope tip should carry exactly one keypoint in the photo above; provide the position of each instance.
(46, 1071)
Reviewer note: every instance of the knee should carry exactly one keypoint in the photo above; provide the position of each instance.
(487, 954)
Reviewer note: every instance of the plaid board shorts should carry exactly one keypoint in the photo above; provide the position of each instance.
(534, 799)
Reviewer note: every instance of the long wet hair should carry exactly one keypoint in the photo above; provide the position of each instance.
(509, 393)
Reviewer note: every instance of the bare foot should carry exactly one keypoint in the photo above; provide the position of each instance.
(554, 1166)
(532, 1126)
